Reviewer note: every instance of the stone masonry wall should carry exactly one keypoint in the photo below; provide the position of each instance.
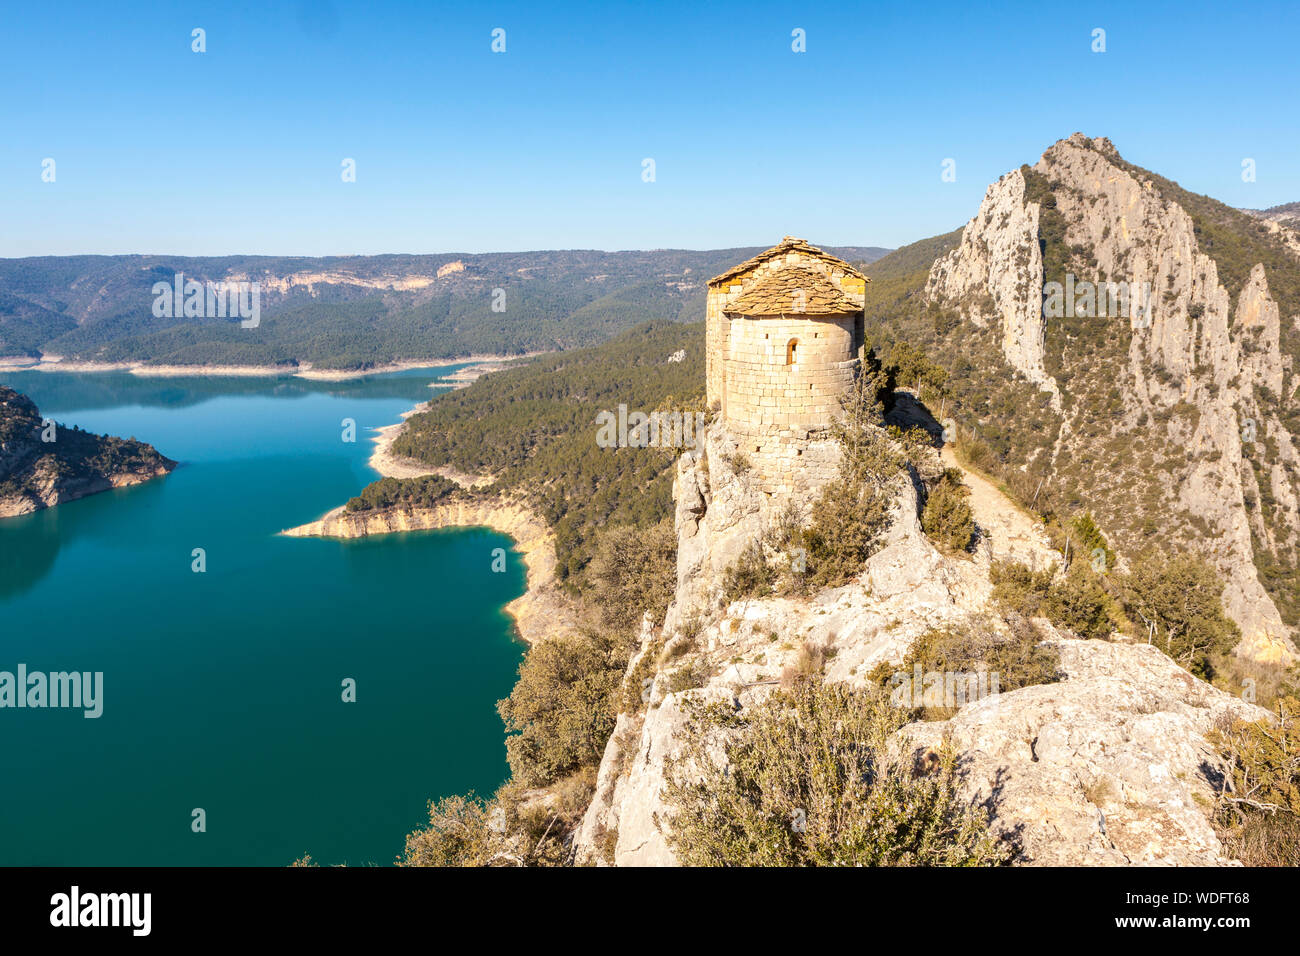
(716, 342)
(779, 413)
(765, 392)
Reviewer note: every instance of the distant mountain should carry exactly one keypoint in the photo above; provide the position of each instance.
(1287, 210)
(1288, 214)
(44, 464)
(1178, 427)
(353, 312)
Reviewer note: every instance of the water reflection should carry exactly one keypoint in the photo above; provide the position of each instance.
(61, 392)
(30, 544)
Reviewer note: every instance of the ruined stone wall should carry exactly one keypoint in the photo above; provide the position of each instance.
(787, 463)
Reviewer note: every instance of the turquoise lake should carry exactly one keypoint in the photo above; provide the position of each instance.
(223, 689)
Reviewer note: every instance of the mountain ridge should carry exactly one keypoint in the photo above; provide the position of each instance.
(354, 312)
(1097, 413)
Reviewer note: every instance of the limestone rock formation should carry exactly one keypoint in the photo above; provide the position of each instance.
(1109, 766)
(997, 272)
(1174, 398)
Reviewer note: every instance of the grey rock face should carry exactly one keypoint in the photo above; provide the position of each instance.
(1201, 390)
(997, 272)
(1107, 767)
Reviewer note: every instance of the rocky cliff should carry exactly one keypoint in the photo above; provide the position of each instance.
(1106, 766)
(1168, 351)
(43, 464)
(996, 272)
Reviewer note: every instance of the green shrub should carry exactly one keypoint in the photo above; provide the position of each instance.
(913, 369)
(749, 575)
(562, 710)
(847, 521)
(1077, 603)
(514, 828)
(459, 834)
(1019, 589)
(785, 538)
(634, 686)
(634, 570)
(812, 780)
(1074, 601)
(947, 516)
(737, 461)
(694, 673)
(1182, 597)
(1088, 540)
(1012, 650)
(852, 512)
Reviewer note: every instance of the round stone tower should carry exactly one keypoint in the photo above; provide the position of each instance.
(783, 336)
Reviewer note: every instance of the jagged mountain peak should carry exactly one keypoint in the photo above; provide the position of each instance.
(1100, 144)
(1159, 329)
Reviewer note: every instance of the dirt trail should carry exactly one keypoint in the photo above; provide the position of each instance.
(1010, 533)
(1006, 531)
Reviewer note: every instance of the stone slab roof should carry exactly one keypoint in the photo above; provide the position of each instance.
(787, 245)
(794, 290)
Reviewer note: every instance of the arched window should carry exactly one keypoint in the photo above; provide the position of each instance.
(792, 352)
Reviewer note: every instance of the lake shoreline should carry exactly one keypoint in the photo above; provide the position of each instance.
(542, 608)
(537, 613)
(304, 371)
(392, 465)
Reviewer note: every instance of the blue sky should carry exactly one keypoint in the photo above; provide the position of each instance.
(239, 149)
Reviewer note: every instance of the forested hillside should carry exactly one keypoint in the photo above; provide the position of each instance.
(533, 429)
(353, 312)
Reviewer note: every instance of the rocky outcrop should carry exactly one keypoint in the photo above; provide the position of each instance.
(309, 280)
(1108, 766)
(906, 588)
(44, 485)
(723, 503)
(1195, 381)
(541, 611)
(996, 275)
(43, 464)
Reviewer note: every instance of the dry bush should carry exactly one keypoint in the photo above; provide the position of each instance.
(813, 779)
(1257, 812)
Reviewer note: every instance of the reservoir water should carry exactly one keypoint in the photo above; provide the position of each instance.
(223, 690)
